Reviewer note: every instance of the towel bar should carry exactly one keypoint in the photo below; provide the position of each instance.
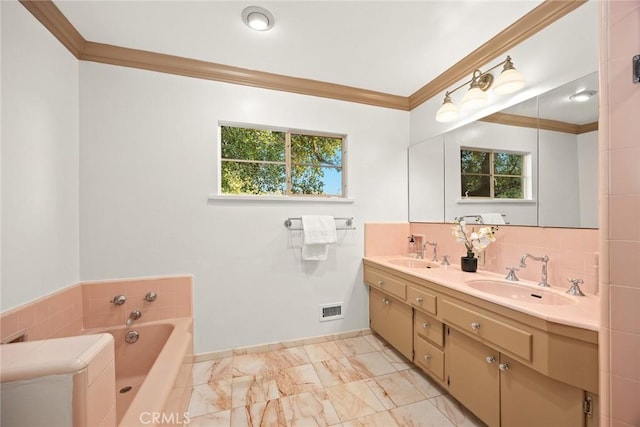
(347, 221)
(477, 218)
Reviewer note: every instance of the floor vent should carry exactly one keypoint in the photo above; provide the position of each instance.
(331, 312)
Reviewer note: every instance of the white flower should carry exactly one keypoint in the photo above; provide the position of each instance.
(475, 240)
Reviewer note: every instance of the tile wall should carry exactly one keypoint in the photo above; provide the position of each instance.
(620, 209)
(572, 252)
(73, 310)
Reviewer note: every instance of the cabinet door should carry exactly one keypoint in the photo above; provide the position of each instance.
(472, 375)
(392, 320)
(532, 399)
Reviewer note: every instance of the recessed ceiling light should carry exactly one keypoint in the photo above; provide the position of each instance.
(582, 96)
(258, 18)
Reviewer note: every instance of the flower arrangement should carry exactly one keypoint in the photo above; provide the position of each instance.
(473, 240)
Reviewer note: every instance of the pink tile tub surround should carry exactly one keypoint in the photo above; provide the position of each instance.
(620, 200)
(52, 316)
(87, 305)
(174, 299)
(572, 252)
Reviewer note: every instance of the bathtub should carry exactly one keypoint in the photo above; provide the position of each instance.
(153, 374)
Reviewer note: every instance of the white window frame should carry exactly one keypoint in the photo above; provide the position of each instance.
(343, 198)
(527, 189)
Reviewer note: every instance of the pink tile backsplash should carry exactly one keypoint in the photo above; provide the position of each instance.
(88, 305)
(572, 252)
(385, 238)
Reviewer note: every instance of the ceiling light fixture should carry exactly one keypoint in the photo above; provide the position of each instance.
(258, 18)
(508, 81)
(582, 96)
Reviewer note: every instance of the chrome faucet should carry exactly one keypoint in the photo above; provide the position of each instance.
(135, 315)
(435, 249)
(544, 259)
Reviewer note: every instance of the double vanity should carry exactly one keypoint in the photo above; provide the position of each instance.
(513, 353)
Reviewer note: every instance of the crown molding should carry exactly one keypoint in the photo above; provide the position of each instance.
(134, 58)
(535, 123)
(52, 18)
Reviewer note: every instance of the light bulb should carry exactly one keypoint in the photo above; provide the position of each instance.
(448, 111)
(258, 18)
(474, 98)
(258, 21)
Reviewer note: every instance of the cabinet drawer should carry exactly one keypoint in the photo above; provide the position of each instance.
(517, 341)
(429, 357)
(385, 283)
(429, 328)
(421, 299)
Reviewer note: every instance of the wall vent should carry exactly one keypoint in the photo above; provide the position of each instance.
(331, 312)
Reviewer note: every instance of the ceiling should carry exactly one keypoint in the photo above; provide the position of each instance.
(556, 105)
(394, 47)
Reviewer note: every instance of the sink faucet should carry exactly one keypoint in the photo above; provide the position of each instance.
(544, 259)
(135, 315)
(435, 249)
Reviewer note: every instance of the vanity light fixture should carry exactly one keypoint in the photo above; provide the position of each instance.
(508, 81)
(582, 96)
(258, 18)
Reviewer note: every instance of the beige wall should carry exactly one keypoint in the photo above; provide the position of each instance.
(620, 213)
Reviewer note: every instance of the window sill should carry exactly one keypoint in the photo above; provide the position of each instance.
(286, 199)
(494, 201)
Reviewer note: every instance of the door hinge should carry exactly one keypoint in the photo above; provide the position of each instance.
(448, 331)
(448, 380)
(588, 406)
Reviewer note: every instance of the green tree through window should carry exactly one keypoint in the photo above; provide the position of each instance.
(270, 162)
(492, 174)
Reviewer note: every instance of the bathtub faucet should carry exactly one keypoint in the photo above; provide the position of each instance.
(135, 315)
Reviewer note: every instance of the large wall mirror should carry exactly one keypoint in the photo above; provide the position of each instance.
(544, 152)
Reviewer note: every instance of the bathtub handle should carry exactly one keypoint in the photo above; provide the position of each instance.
(132, 336)
(118, 300)
(151, 296)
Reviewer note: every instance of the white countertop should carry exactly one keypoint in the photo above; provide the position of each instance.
(583, 312)
(31, 359)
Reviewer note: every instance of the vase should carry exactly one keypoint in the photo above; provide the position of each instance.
(469, 264)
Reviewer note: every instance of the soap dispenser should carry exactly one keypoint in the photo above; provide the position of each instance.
(411, 248)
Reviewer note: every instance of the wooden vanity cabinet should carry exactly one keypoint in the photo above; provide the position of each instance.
(392, 320)
(510, 370)
(472, 376)
(504, 392)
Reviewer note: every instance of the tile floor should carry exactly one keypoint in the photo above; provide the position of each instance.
(351, 382)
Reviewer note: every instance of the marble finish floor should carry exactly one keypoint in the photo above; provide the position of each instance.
(352, 382)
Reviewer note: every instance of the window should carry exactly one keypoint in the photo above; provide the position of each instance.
(492, 174)
(274, 162)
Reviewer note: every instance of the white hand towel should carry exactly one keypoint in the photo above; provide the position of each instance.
(318, 232)
(492, 218)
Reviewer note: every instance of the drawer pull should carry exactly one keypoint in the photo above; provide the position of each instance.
(380, 282)
(491, 359)
(427, 357)
(386, 301)
(503, 366)
(419, 300)
(426, 325)
(475, 325)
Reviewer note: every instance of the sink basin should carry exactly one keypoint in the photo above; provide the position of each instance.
(414, 263)
(518, 292)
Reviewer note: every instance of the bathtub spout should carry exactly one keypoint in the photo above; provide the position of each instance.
(135, 315)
